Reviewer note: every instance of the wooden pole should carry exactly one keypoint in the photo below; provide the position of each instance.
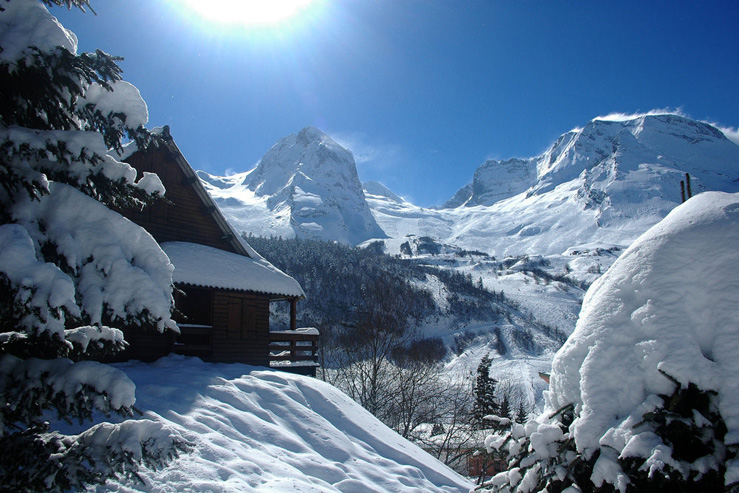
(689, 191)
(293, 314)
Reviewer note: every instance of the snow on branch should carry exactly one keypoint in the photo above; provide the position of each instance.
(79, 158)
(50, 461)
(82, 337)
(74, 390)
(41, 288)
(110, 270)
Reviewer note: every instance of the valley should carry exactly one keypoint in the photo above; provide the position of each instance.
(540, 230)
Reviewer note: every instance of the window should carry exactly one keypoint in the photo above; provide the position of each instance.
(194, 305)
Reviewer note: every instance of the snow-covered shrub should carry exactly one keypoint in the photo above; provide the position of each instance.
(644, 394)
(541, 455)
(680, 447)
(73, 272)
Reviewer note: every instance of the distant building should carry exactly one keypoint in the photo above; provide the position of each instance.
(483, 465)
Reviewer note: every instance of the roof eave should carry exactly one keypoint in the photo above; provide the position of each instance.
(271, 296)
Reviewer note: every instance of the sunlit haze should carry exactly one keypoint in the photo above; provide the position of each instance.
(249, 12)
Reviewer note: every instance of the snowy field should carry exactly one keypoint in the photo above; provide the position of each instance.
(253, 429)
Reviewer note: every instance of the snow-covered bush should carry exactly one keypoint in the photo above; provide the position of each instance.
(644, 394)
(73, 272)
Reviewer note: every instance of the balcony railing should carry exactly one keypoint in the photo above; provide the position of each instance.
(294, 350)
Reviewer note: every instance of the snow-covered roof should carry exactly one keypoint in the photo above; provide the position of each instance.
(229, 233)
(201, 265)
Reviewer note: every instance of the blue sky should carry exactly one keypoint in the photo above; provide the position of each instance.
(422, 91)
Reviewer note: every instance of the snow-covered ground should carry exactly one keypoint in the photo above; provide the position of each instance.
(668, 304)
(254, 429)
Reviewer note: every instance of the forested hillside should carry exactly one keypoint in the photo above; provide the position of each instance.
(344, 283)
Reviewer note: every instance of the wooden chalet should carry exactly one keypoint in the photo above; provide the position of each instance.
(223, 287)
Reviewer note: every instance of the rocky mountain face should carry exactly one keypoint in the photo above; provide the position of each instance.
(305, 186)
(494, 181)
(603, 185)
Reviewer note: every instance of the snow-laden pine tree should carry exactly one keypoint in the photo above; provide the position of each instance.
(73, 272)
(644, 395)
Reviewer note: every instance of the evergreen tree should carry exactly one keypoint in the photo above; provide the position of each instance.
(73, 273)
(504, 410)
(521, 413)
(485, 403)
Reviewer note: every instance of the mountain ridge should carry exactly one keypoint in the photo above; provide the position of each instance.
(602, 184)
(585, 148)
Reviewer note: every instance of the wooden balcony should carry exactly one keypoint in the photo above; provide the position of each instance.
(294, 350)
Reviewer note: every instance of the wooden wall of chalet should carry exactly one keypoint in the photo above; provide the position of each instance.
(236, 329)
(187, 218)
(239, 325)
(241, 328)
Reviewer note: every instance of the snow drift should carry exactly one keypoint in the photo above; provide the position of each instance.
(669, 302)
(253, 429)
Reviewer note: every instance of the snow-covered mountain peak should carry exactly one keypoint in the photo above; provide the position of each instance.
(311, 153)
(605, 136)
(602, 184)
(608, 150)
(311, 134)
(495, 180)
(306, 185)
(222, 182)
(652, 151)
(675, 123)
(378, 190)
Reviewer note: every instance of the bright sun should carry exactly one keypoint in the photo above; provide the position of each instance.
(250, 12)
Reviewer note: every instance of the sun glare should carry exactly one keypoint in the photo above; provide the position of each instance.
(253, 13)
